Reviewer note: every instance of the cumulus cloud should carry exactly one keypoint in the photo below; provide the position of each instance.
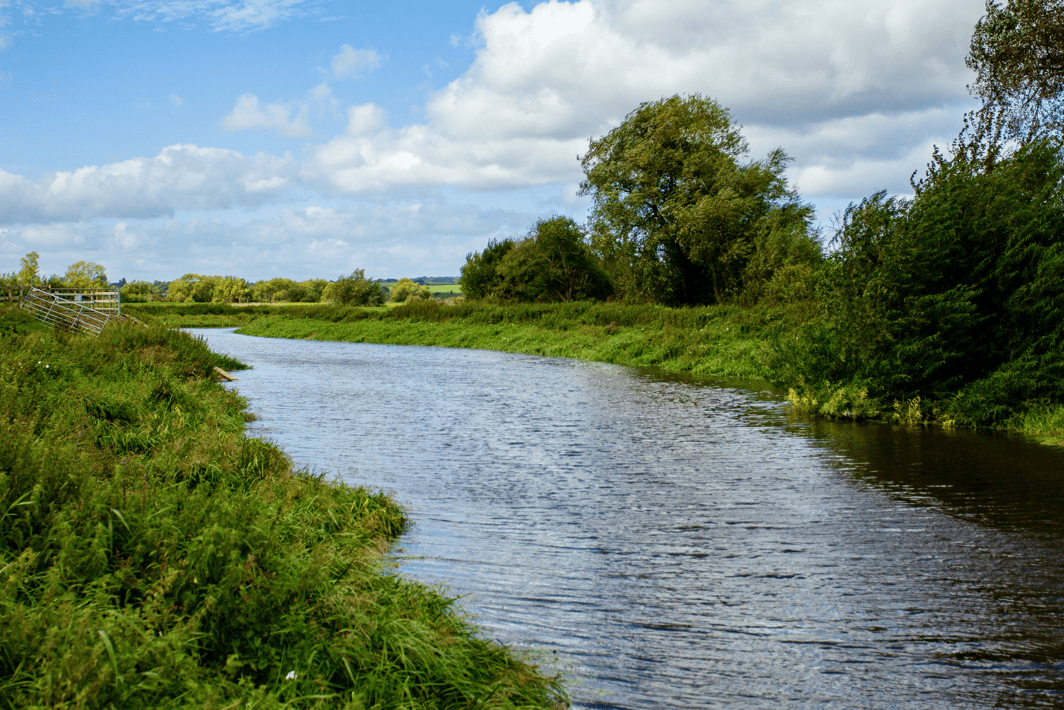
(545, 80)
(176, 101)
(576, 68)
(351, 63)
(371, 157)
(248, 115)
(857, 155)
(309, 242)
(179, 177)
(856, 92)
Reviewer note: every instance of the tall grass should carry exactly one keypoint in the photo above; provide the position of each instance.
(152, 556)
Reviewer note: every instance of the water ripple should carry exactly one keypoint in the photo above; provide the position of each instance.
(667, 543)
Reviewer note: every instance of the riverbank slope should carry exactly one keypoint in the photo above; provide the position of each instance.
(153, 556)
(721, 341)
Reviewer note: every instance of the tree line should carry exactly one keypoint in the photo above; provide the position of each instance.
(679, 218)
(353, 289)
(80, 274)
(948, 304)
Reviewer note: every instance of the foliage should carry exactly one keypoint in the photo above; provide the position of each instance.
(553, 263)
(354, 290)
(29, 273)
(85, 274)
(406, 289)
(139, 292)
(152, 556)
(955, 297)
(1017, 52)
(230, 289)
(480, 274)
(191, 288)
(288, 291)
(677, 218)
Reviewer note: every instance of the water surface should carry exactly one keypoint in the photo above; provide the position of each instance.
(666, 542)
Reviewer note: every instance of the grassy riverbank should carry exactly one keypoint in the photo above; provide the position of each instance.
(722, 341)
(152, 556)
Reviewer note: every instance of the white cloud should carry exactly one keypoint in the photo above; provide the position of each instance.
(854, 156)
(322, 98)
(370, 157)
(547, 79)
(247, 115)
(411, 239)
(176, 101)
(350, 63)
(856, 92)
(179, 177)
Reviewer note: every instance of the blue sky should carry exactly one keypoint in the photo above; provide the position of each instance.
(307, 138)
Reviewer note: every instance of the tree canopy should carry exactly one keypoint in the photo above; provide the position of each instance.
(552, 263)
(409, 290)
(85, 274)
(955, 296)
(29, 275)
(354, 290)
(677, 218)
(1017, 52)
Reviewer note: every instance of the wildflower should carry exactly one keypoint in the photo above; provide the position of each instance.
(291, 675)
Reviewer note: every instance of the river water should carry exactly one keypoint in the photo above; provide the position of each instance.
(663, 541)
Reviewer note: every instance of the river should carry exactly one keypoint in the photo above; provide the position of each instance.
(663, 541)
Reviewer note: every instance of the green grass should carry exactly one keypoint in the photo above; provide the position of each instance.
(152, 556)
(447, 289)
(720, 341)
(723, 341)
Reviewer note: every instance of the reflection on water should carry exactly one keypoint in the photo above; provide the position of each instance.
(669, 543)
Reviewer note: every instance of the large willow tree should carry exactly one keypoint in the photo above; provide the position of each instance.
(678, 218)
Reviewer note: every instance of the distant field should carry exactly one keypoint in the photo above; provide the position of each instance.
(440, 288)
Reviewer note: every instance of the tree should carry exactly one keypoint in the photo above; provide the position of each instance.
(139, 292)
(676, 215)
(85, 274)
(955, 296)
(230, 289)
(408, 290)
(1017, 52)
(29, 275)
(355, 290)
(553, 263)
(192, 288)
(480, 276)
(314, 289)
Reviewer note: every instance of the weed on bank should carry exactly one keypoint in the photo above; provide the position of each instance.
(153, 556)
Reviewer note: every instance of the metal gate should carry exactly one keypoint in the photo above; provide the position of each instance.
(60, 312)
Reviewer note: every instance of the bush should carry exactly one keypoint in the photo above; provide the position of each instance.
(406, 290)
(354, 290)
(955, 297)
(553, 263)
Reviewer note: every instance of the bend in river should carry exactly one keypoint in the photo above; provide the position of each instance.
(666, 542)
